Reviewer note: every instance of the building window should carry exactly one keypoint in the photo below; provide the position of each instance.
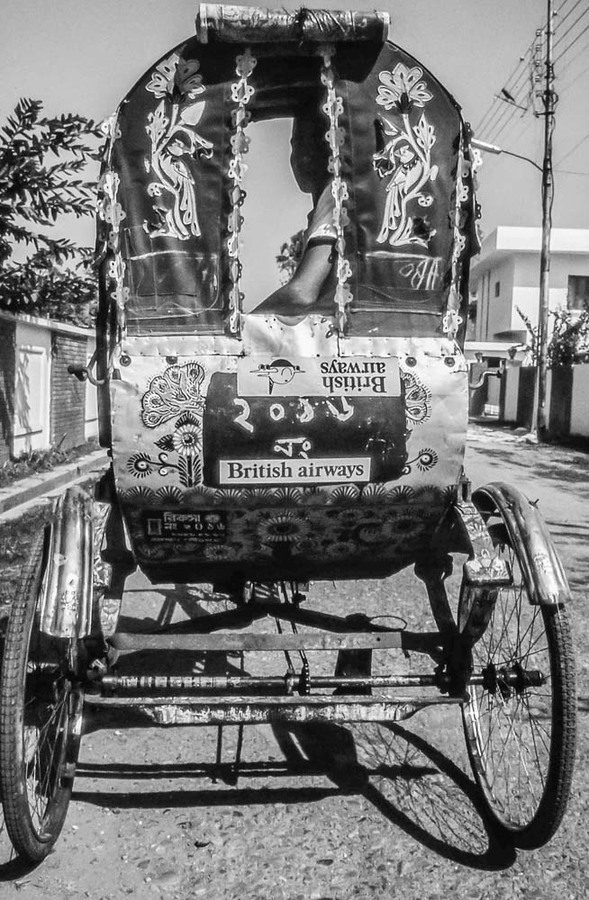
(578, 292)
(497, 288)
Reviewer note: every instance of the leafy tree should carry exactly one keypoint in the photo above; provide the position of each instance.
(569, 341)
(42, 165)
(570, 338)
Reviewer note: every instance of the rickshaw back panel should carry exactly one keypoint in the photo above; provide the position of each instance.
(325, 441)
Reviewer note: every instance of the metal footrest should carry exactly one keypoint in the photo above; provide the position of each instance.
(259, 710)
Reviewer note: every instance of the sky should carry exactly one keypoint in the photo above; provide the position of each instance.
(83, 56)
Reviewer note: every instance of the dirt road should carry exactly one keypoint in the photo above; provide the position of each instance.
(324, 813)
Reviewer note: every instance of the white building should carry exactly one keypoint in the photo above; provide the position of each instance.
(506, 274)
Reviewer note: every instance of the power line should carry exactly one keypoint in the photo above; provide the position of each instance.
(497, 118)
(576, 147)
(572, 44)
(500, 116)
(502, 121)
(561, 20)
(567, 84)
(509, 84)
(570, 28)
(507, 110)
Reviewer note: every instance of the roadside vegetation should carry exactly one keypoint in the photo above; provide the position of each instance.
(35, 461)
(16, 540)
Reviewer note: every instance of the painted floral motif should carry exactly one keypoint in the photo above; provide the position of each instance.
(402, 88)
(425, 460)
(394, 531)
(417, 399)
(175, 144)
(139, 465)
(174, 395)
(178, 390)
(284, 527)
(186, 442)
(405, 161)
(244, 501)
(187, 438)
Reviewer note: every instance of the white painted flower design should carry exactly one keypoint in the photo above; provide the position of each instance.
(187, 439)
(187, 80)
(162, 80)
(178, 390)
(402, 87)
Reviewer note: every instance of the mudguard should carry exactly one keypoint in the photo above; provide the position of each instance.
(66, 599)
(527, 530)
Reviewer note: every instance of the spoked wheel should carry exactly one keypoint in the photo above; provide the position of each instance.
(40, 720)
(520, 720)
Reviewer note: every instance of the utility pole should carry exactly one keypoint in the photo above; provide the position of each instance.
(549, 99)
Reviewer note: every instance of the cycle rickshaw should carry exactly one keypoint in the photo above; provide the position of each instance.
(319, 436)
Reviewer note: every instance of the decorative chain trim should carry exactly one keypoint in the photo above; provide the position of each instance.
(241, 94)
(333, 109)
(112, 214)
(452, 320)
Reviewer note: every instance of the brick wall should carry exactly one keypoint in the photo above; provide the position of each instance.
(7, 380)
(68, 395)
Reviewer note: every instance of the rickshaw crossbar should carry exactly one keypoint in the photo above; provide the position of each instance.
(398, 640)
(288, 683)
(259, 710)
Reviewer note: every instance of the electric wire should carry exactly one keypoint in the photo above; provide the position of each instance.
(561, 37)
(510, 84)
(572, 44)
(501, 117)
(562, 19)
(498, 119)
(572, 150)
(575, 77)
(504, 114)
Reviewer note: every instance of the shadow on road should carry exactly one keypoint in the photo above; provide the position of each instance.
(410, 782)
(414, 785)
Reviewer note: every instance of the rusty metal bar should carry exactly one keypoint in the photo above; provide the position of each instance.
(399, 640)
(259, 710)
(286, 683)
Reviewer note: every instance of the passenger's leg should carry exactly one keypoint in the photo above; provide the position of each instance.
(303, 290)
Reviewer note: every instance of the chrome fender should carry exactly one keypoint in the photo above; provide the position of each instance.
(530, 538)
(66, 593)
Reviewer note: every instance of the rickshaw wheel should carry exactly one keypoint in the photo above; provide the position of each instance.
(40, 722)
(520, 723)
